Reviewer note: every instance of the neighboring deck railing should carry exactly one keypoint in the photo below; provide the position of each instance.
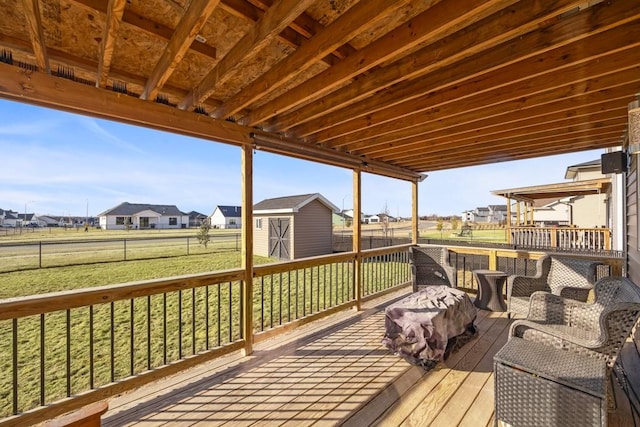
(63, 350)
(561, 237)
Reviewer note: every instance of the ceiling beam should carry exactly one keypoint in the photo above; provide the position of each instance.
(356, 19)
(276, 19)
(503, 26)
(151, 27)
(301, 29)
(562, 67)
(578, 128)
(567, 144)
(434, 23)
(586, 103)
(34, 24)
(194, 18)
(115, 10)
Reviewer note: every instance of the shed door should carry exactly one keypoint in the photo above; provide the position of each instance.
(279, 245)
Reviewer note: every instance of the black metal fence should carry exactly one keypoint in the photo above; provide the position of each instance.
(25, 256)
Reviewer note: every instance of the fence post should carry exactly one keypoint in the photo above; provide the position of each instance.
(40, 254)
(125, 249)
(187, 245)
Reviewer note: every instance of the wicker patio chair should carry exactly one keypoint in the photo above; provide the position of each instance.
(568, 277)
(597, 329)
(430, 266)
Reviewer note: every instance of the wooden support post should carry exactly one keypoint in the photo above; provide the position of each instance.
(518, 214)
(247, 247)
(508, 227)
(356, 245)
(415, 217)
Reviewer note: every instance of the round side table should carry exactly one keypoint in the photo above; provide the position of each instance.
(490, 284)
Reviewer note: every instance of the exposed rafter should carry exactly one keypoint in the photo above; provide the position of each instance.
(36, 34)
(268, 27)
(115, 10)
(192, 21)
(356, 19)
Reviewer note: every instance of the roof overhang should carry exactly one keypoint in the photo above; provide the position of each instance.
(557, 191)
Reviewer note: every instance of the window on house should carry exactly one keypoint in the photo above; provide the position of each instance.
(232, 222)
(173, 221)
(119, 220)
(259, 223)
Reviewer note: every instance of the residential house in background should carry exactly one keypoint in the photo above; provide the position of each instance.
(550, 212)
(142, 216)
(196, 218)
(293, 227)
(496, 214)
(9, 218)
(226, 217)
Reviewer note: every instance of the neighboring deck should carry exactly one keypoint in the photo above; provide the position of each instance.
(333, 372)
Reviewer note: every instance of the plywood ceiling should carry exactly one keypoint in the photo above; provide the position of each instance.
(388, 86)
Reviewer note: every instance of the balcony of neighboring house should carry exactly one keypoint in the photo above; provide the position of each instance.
(284, 347)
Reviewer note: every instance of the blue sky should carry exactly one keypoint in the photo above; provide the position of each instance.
(65, 164)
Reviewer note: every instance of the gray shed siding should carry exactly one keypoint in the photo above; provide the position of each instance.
(312, 231)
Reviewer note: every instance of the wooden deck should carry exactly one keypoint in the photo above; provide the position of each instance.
(333, 372)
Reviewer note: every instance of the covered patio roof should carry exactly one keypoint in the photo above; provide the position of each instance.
(557, 191)
(391, 87)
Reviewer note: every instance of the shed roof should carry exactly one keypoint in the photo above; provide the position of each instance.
(291, 204)
(393, 87)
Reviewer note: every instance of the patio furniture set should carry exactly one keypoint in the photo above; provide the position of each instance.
(557, 363)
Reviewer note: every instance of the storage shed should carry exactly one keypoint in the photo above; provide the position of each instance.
(293, 227)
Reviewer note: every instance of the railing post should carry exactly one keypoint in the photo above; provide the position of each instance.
(357, 229)
(493, 260)
(247, 247)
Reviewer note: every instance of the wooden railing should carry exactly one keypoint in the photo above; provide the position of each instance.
(61, 351)
(561, 237)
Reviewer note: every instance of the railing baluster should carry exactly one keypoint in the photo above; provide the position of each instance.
(219, 317)
(112, 344)
(193, 320)
(148, 332)
(164, 328)
(288, 297)
(297, 294)
(262, 303)
(230, 311)
(91, 350)
(42, 359)
(206, 316)
(131, 337)
(14, 364)
(280, 299)
(240, 328)
(68, 352)
(180, 324)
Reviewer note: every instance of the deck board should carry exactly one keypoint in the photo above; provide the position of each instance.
(329, 373)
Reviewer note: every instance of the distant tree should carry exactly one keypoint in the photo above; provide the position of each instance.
(454, 223)
(127, 223)
(384, 221)
(440, 226)
(203, 232)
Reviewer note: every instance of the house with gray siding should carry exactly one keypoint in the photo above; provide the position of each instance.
(293, 227)
(143, 216)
